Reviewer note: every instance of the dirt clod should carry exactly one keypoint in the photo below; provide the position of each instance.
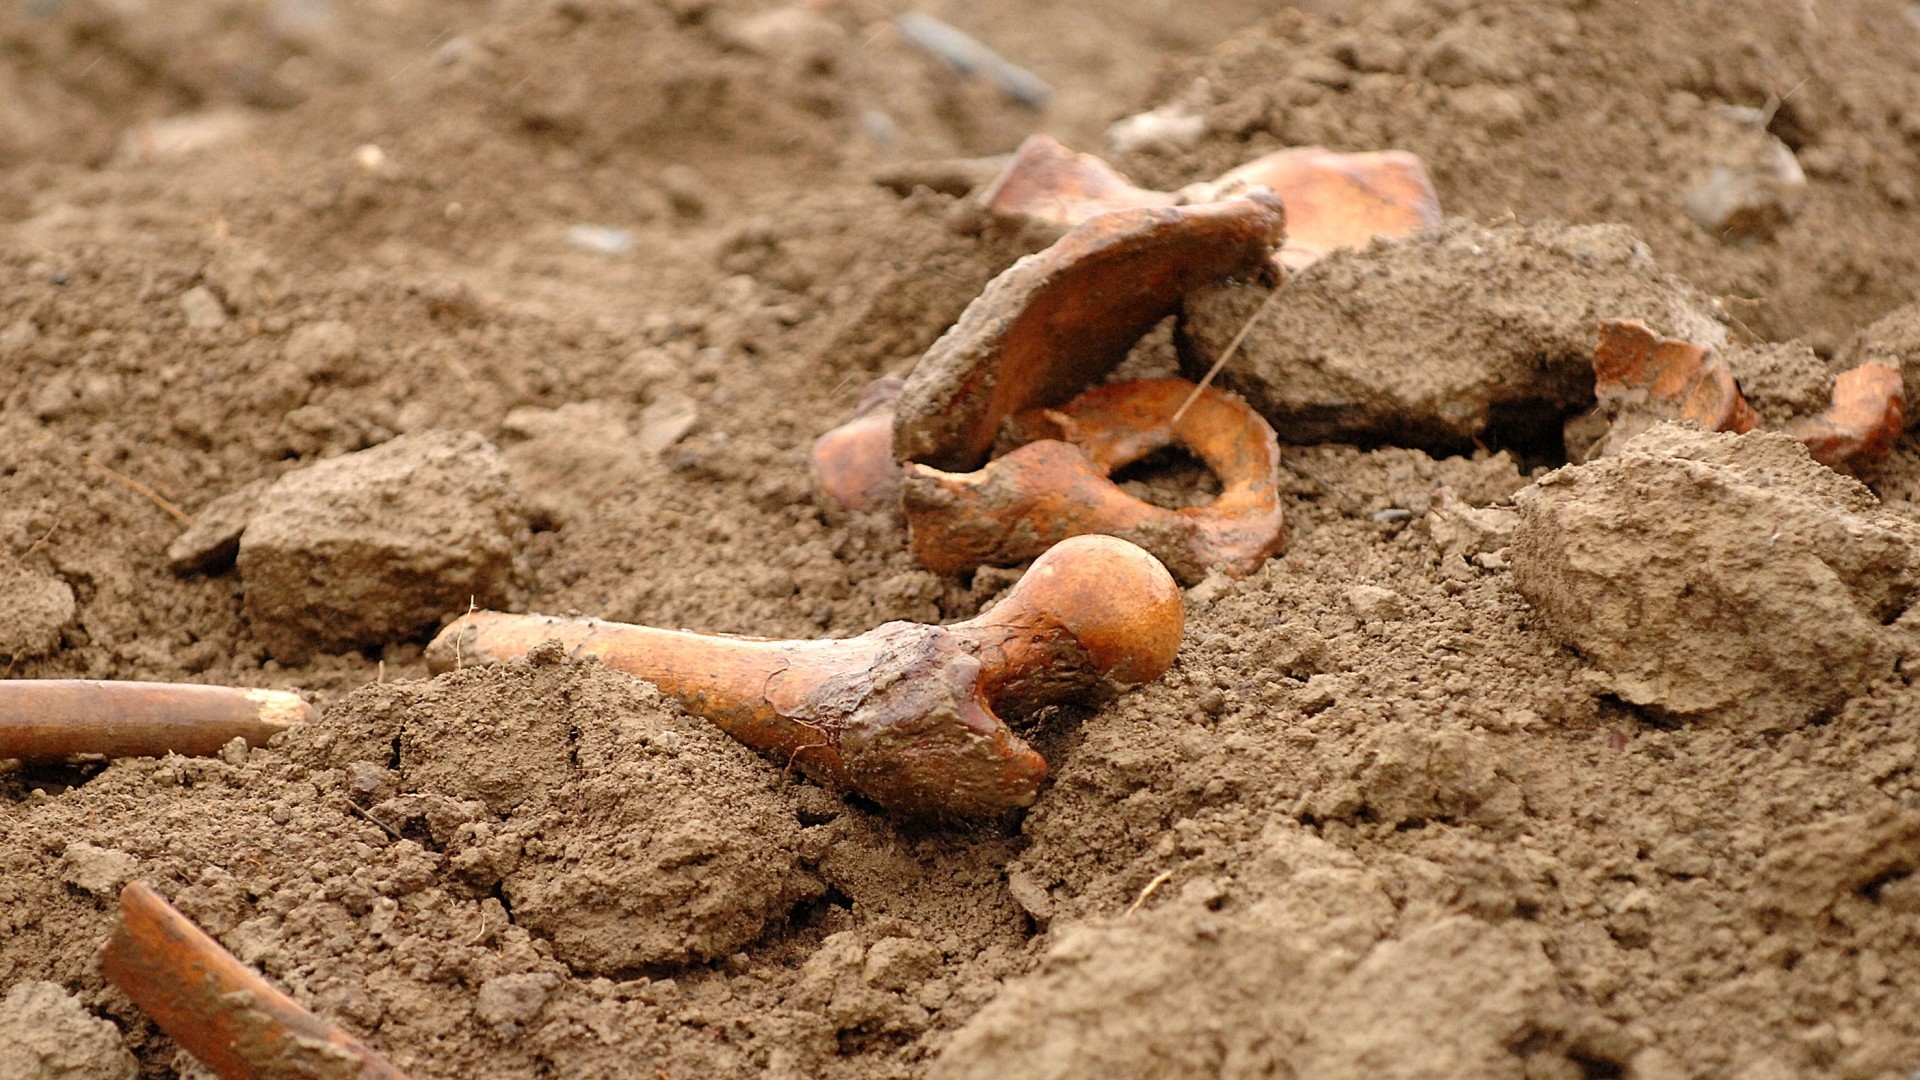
(46, 1034)
(1685, 570)
(34, 609)
(1508, 344)
(378, 546)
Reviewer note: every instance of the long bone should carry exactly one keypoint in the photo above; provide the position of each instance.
(904, 714)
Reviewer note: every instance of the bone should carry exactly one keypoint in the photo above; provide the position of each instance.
(1641, 379)
(1334, 200)
(853, 464)
(1058, 321)
(218, 1009)
(904, 714)
(1058, 486)
(54, 719)
(1867, 415)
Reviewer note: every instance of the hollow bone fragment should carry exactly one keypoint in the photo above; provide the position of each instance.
(218, 1009)
(52, 719)
(1057, 321)
(904, 714)
(1058, 486)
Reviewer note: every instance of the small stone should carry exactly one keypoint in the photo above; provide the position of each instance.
(46, 1034)
(378, 546)
(34, 609)
(1210, 589)
(321, 348)
(606, 240)
(213, 540)
(507, 1002)
(202, 309)
(1375, 604)
(666, 420)
(686, 189)
(98, 870)
(897, 963)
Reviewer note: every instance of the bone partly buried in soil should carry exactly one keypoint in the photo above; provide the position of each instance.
(53, 719)
(904, 714)
(218, 1009)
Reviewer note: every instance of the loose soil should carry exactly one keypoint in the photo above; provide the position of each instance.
(1378, 820)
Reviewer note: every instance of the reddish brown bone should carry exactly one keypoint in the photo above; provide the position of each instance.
(853, 464)
(1333, 200)
(1338, 200)
(218, 1009)
(1056, 322)
(905, 713)
(1058, 486)
(1867, 415)
(51, 719)
(1641, 378)
(1046, 182)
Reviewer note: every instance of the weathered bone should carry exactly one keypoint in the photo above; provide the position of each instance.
(1058, 486)
(905, 713)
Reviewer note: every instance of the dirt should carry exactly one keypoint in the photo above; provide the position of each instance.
(1385, 817)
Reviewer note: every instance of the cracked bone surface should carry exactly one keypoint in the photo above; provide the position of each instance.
(905, 714)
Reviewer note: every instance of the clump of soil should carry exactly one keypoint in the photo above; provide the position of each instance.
(1378, 819)
(1721, 577)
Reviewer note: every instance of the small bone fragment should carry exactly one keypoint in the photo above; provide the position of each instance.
(52, 719)
(1046, 182)
(218, 1009)
(905, 713)
(1058, 486)
(1868, 413)
(1056, 321)
(1336, 200)
(1641, 378)
(853, 464)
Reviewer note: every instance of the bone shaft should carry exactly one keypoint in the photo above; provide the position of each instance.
(51, 719)
(742, 684)
(222, 1012)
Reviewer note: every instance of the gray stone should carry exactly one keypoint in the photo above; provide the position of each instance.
(212, 542)
(378, 546)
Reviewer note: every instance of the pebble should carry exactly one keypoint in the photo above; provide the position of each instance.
(202, 309)
(1375, 604)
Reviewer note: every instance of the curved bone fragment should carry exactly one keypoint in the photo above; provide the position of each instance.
(1047, 183)
(1058, 486)
(1333, 199)
(853, 464)
(1336, 200)
(218, 1009)
(1057, 321)
(1641, 378)
(905, 714)
(1867, 415)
